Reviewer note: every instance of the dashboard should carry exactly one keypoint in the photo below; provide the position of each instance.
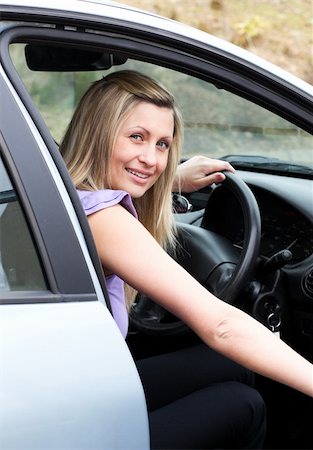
(283, 226)
(286, 209)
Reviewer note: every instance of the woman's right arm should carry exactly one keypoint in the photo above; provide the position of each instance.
(126, 248)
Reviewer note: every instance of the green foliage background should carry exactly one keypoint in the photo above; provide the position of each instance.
(280, 31)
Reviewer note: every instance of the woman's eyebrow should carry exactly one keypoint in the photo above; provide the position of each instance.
(137, 127)
(145, 130)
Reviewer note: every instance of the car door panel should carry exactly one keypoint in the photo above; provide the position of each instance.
(73, 379)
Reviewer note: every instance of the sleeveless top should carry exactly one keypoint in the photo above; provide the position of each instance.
(93, 201)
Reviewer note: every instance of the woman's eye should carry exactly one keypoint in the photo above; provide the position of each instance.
(136, 137)
(163, 145)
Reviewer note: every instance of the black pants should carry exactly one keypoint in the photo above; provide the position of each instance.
(198, 399)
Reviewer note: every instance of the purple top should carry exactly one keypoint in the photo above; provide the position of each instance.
(92, 202)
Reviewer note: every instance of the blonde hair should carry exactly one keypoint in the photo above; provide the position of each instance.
(90, 138)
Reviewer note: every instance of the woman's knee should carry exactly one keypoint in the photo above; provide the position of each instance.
(250, 429)
(223, 415)
(239, 416)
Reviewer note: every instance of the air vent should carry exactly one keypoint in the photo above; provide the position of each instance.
(307, 283)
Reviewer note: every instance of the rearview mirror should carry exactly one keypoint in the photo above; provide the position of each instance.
(56, 58)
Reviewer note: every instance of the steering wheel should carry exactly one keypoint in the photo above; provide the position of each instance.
(211, 258)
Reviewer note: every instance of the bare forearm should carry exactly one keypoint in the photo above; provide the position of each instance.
(249, 343)
(240, 337)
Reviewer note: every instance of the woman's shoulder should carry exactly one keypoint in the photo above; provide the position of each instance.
(93, 201)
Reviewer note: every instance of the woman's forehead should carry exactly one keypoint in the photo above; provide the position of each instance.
(150, 117)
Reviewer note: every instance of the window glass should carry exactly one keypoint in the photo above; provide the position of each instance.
(19, 263)
(217, 122)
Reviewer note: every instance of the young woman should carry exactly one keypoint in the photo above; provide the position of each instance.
(122, 150)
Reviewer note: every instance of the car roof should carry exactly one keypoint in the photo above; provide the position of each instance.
(97, 9)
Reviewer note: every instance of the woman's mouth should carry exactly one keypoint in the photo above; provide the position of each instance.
(141, 175)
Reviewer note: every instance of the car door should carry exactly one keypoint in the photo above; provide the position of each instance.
(67, 379)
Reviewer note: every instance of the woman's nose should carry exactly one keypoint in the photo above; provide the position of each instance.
(148, 155)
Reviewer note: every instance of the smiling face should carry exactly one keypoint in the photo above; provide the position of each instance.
(141, 150)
